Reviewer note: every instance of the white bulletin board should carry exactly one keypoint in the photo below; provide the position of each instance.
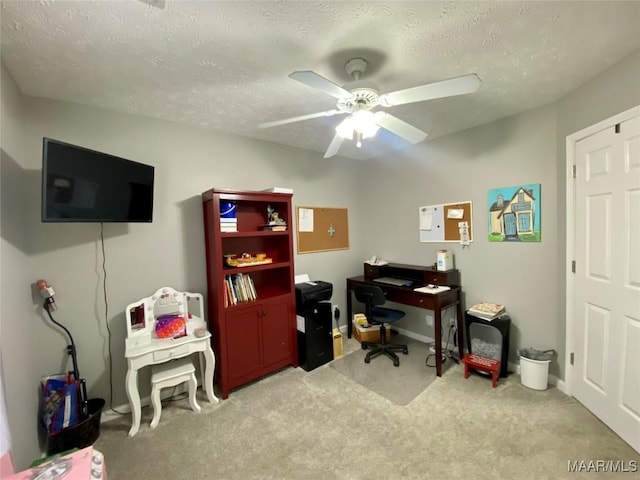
(440, 223)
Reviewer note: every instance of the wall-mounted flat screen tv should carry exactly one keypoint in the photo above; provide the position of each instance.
(82, 185)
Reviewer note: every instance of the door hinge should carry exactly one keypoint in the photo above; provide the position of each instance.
(574, 171)
(571, 358)
(573, 266)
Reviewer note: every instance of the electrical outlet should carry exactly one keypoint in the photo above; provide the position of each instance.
(429, 320)
(452, 322)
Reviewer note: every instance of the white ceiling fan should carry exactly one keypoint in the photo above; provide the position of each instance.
(359, 98)
(155, 3)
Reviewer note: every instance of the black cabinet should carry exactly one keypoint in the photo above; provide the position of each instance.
(489, 338)
(315, 343)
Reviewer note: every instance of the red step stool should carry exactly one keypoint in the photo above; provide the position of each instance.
(483, 364)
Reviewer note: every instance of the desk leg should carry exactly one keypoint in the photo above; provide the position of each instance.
(349, 314)
(134, 400)
(460, 329)
(437, 331)
(207, 380)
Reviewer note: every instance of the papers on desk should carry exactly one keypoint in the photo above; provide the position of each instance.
(432, 289)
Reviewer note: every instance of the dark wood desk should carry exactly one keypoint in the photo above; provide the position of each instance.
(406, 296)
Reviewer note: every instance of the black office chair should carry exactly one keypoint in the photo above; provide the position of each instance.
(373, 296)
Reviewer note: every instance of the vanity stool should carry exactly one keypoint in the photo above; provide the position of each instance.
(170, 374)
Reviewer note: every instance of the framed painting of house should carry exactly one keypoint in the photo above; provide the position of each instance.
(514, 214)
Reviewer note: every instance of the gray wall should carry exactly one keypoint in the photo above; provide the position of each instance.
(382, 197)
(613, 91)
(514, 151)
(529, 278)
(139, 257)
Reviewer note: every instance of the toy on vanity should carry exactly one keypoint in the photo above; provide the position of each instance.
(164, 315)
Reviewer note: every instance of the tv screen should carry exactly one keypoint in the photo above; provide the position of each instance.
(82, 185)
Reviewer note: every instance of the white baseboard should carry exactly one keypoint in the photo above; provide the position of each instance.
(108, 414)
(414, 335)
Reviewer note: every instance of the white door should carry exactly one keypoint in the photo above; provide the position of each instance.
(606, 369)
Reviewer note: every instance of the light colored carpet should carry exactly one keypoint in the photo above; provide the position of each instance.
(322, 425)
(399, 384)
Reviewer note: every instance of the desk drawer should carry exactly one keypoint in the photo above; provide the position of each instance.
(169, 353)
(372, 271)
(413, 299)
(448, 277)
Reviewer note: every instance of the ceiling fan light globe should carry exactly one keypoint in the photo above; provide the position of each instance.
(378, 116)
(369, 130)
(345, 128)
(364, 123)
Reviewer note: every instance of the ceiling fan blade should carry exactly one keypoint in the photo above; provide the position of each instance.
(400, 127)
(445, 88)
(155, 3)
(309, 116)
(314, 80)
(334, 146)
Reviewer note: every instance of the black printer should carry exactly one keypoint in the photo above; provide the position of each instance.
(315, 337)
(308, 294)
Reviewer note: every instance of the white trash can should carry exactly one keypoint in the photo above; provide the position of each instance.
(534, 373)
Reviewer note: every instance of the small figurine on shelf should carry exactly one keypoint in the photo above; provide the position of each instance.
(274, 222)
(270, 212)
(273, 217)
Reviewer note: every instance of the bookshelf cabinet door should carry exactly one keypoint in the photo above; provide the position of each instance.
(243, 343)
(276, 332)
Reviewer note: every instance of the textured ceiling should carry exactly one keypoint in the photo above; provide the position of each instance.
(224, 65)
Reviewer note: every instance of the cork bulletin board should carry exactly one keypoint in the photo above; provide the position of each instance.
(439, 223)
(321, 229)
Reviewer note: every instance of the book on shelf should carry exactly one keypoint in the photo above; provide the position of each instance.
(487, 310)
(228, 224)
(239, 288)
(280, 227)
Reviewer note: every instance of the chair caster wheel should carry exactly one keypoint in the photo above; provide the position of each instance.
(405, 351)
(364, 347)
(396, 363)
(367, 360)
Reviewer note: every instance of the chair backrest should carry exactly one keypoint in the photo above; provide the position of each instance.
(370, 295)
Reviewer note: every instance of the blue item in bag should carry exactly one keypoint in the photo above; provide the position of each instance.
(59, 402)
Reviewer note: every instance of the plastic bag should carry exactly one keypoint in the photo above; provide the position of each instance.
(533, 354)
(60, 405)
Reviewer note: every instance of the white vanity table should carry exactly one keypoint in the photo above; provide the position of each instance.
(144, 348)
